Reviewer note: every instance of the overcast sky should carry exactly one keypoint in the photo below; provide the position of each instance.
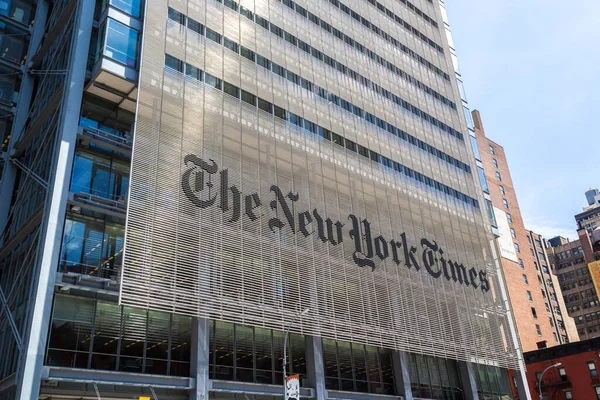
(532, 68)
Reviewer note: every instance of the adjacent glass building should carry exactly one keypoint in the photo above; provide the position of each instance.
(181, 178)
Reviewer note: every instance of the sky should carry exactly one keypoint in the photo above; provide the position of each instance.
(532, 68)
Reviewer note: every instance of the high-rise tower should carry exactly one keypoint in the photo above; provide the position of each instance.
(201, 177)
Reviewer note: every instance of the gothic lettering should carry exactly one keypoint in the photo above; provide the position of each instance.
(197, 185)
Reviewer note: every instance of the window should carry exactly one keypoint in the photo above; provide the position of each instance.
(509, 217)
(598, 392)
(131, 7)
(428, 373)
(484, 184)
(521, 263)
(502, 191)
(518, 250)
(214, 36)
(492, 149)
(213, 81)
(231, 45)
(505, 203)
(533, 312)
(247, 53)
(175, 16)
(498, 176)
(513, 233)
(193, 72)
(174, 63)
(248, 98)
(525, 279)
(529, 296)
(592, 368)
(121, 43)
(568, 395)
(563, 374)
(231, 90)
(119, 334)
(495, 162)
(538, 329)
(356, 367)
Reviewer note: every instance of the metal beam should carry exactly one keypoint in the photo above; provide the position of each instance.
(338, 394)
(116, 378)
(11, 321)
(22, 232)
(37, 58)
(9, 383)
(255, 389)
(29, 172)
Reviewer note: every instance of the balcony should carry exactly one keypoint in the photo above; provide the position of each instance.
(119, 142)
(554, 380)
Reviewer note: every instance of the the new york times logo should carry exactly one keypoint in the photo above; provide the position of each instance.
(205, 186)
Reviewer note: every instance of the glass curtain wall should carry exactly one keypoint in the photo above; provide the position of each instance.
(103, 335)
(92, 246)
(249, 354)
(434, 377)
(358, 368)
(492, 383)
(118, 42)
(100, 175)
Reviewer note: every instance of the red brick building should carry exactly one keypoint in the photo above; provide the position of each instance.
(576, 378)
(539, 316)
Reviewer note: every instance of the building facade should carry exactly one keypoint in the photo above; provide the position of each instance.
(575, 265)
(534, 299)
(195, 179)
(575, 378)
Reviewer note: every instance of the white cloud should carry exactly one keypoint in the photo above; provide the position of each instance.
(549, 229)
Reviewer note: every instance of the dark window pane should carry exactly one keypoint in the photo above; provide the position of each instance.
(212, 35)
(193, 72)
(212, 81)
(280, 112)
(247, 53)
(196, 26)
(265, 105)
(176, 16)
(248, 97)
(174, 63)
(231, 4)
(231, 90)
(246, 13)
(231, 45)
(260, 60)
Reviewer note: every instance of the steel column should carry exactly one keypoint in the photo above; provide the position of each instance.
(402, 374)
(199, 366)
(49, 252)
(315, 367)
(466, 371)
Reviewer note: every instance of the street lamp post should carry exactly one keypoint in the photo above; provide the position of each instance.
(285, 338)
(542, 378)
